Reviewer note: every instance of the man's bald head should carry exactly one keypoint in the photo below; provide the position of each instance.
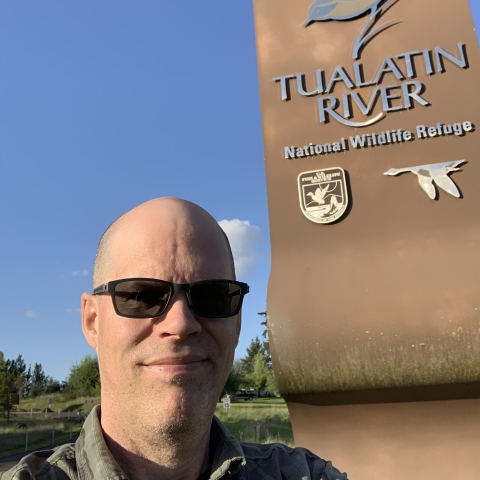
(165, 213)
(161, 376)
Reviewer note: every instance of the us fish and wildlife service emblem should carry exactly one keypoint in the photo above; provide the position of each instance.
(323, 194)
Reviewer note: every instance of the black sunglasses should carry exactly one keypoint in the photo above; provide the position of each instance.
(148, 297)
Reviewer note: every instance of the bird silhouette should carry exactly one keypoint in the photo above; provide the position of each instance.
(436, 172)
(322, 10)
(319, 195)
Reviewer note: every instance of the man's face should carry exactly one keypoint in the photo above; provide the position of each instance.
(169, 368)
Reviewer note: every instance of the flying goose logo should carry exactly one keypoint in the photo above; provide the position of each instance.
(323, 10)
(323, 194)
(431, 175)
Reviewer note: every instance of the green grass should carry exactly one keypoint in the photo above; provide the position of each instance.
(259, 421)
(60, 401)
(30, 414)
(12, 438)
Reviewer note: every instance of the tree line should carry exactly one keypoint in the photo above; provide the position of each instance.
(254, 370)
(17, 379)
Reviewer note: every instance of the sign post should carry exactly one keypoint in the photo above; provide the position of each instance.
(371, 121)
(226, 405)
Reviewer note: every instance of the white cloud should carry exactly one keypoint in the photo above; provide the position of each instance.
(31, 314)
(243, 239)
(80, 273)
(72, 310)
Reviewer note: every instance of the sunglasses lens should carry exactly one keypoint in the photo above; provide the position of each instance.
(218, 298)
(141, 298)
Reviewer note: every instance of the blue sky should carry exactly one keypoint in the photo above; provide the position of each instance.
(104, 105)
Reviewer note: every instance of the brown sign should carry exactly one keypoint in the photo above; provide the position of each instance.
(374, 284)
(370, 123)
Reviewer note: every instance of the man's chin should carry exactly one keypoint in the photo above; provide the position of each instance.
(182, 406)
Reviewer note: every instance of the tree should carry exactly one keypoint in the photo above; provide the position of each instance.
(16, 379)
(234, 380)
(261, 377)
(264, 323)
(246, 363)
(256, 366)
(84, 378)
(4, 388)
(17, 375)
(27, 382)
(257, 378)
(52, 386)
(266, 343)
(39, 381)
(271, 382)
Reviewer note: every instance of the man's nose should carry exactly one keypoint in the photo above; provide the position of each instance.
(179, 320)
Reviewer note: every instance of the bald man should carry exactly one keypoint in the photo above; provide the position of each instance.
(164, 320)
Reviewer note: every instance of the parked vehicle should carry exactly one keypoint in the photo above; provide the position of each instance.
(246, 395)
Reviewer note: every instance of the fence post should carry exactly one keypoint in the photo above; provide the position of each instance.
(58, 413)
(46, 412)
(68, 414)
(31, 412)
(26, 440)
(70, 431)
(53, 436)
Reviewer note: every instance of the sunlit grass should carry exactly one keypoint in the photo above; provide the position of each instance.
(60, 401)
(259, 421)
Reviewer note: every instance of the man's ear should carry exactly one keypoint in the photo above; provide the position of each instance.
(90, 319)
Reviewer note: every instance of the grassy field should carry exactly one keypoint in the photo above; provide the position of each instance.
(260, 421)
(60, 402)
(40, 433)
(43, 427)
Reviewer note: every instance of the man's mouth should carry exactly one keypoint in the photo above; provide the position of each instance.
(176, 364)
